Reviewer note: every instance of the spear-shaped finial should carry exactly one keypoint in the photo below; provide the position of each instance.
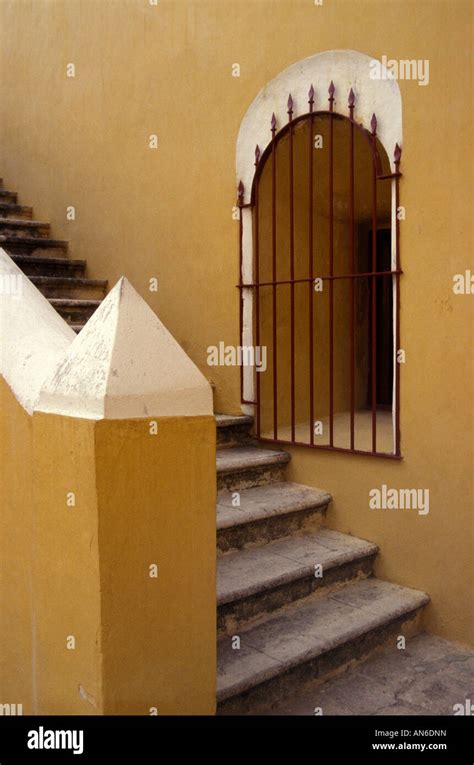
(397, 154)
(240, 193)
(352, 99)
(257, 155)
(373, 124)
(290, 106)
(331, 91)
(274, 122)
(311, 95)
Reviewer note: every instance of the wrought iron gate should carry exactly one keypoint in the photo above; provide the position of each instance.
(372, 274)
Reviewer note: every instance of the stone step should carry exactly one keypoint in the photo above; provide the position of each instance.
(257, 581)
(8, 196)
(62, 286)
(33, 265)
(75, 311)
(313, 638)
(241, 467)
(32, 245)
(17, 227)
(15, 211)
(233, 430)
(266, 513)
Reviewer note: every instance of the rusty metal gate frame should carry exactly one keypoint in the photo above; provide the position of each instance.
(255, 285)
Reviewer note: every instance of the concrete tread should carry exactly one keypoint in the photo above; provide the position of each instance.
(35, 241)
(15, 208)
(73, 302)
(309, 628)
(37, 260)
(262, 502)
(241, 458)
(243, 573)
(67, 281)
(23, 223)
(229, 420)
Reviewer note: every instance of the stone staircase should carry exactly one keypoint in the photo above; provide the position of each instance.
(44, 260)
(293, 625)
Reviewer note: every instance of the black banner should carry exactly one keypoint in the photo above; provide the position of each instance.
(146, 739)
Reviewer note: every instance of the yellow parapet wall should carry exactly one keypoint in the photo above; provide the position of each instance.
(115, 499)
(107, 518)
(66, 567)
(156, 495)
(17, 520)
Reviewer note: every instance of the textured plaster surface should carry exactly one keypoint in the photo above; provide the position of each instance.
(125, 364)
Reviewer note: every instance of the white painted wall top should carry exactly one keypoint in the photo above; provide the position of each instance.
(347, 69)
(125, 364)
(33, 336)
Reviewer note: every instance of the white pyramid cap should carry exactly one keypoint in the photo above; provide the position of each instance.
(125, 364)
(33, 336)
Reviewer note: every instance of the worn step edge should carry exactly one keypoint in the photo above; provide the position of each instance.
(34, 241)
(337, 559)
(74, 303)
(374, 621)
(37, 260)
(66, 282)
(298, 498)
(10, 209)
(23, 223)
(232, 420)
(240, 459)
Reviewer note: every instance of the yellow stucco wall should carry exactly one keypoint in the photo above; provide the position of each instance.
(17, 606)
(156, 496)
(78, 567)
(167, 213)
(66, 567)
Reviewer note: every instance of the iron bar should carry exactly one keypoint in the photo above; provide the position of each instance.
(352, 260)
(310, 265)
(240, 202)
(373, 125)
(274, 275)
(324, 278)
(388, 176)
(397, 157)
(257, 299)
(292, 268)
(327, 447)
(331, 264)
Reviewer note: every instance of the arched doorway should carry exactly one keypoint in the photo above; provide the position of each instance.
(320, 278)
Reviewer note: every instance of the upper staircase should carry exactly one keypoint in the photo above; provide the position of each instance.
(61, 280)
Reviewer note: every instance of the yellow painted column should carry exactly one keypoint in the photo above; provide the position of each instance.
(125, 565)
(156, 512)
(125, 482)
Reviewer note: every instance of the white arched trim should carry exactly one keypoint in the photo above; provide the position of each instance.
(347, 69)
